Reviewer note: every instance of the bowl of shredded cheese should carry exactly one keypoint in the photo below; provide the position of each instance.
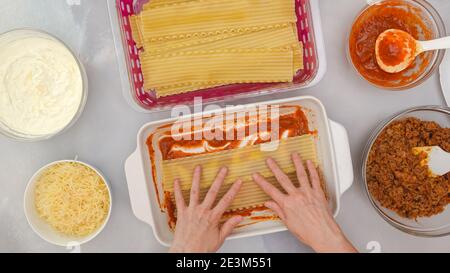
(67, 203)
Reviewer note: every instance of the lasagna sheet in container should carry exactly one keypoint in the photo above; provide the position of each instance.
(308, 32)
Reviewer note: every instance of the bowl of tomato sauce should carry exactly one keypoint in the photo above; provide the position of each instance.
(418, 18)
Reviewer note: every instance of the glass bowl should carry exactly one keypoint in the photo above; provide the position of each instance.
(437, 225)
(17, 34)
(431, 18)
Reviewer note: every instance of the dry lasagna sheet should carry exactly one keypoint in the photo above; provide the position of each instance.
(198, 44)
(174, 157)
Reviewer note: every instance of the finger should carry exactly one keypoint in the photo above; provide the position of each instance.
(314, 176)
(179, 199)
(302, 176)
(268, 188)
(229, 226)
(276, 208)
(226, 200)
(215, 188)
(195, 187)
(282, 178)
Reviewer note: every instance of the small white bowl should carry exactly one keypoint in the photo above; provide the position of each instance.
(42, 228)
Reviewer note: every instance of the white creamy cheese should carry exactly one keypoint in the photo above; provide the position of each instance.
(41, 85)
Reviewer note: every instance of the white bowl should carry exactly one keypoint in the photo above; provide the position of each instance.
(42, 228)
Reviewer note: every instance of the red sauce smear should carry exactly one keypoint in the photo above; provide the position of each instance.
(297, 124)
(374, 21)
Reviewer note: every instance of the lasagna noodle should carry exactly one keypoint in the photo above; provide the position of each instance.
(267, 38)
(270, 38)
(242, 162)
(298, 50)
(250, 195)
(298, 57)
(221, 66)
(184, 88)
(188, 41)
(136, 30)
(159, 3)
(213, 16)
(194, 86)
(166, 26)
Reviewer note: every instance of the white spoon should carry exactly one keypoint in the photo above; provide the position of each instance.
(438, 160)
(396, 49)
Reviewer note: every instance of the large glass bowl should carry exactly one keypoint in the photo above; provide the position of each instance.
(438, 225)
(434, 22)
(25, 33)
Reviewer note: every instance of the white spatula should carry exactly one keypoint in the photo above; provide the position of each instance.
(438, 160)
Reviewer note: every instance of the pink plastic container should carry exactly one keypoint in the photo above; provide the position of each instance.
(309, 32)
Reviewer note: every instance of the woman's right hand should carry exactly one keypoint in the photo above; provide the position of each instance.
(304, 209)
(199, 228)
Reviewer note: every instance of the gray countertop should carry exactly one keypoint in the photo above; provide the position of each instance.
(105, 135)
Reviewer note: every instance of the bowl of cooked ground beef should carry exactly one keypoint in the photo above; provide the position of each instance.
(399, 187)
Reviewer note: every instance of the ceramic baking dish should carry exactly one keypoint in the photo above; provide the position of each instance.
(333, 153)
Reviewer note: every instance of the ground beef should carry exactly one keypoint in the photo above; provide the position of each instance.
(394, 175)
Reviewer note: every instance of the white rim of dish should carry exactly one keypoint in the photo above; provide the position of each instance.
(84, 239)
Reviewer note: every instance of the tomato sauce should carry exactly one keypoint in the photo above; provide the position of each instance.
(396, 48)
(296, 124)
(374, 21)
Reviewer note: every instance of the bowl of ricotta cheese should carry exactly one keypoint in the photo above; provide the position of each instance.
(43, 85)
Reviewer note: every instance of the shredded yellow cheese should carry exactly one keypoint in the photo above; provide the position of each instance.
(72, 198)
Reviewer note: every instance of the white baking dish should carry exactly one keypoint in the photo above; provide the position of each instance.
(332, 148)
